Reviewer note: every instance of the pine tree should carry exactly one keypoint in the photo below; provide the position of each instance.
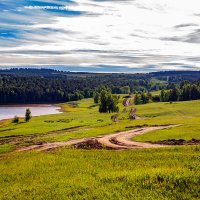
(28, 115)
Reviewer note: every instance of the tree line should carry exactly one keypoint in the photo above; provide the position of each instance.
(23, 86)
(184, 92)
(22, 90)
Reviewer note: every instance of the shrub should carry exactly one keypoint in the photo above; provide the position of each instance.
(15, 119)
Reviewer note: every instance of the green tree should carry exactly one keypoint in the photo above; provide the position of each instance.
(149, 95)
(137, 99)
(96, 97)
(112, 102)
(125, 90)
(162, 96)
(101, 90)
(174, 94)
(144, 98)
(103, 107)
(194, 92)
(108, 102)
(186, 93)
(28, 115)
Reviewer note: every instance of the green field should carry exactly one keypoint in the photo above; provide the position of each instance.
(169, 173)
(73, 174)
(82, 119)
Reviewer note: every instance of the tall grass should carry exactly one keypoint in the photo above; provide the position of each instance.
(170, 173)
(72, 174)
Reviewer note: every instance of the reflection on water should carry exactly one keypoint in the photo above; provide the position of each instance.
(7, 112)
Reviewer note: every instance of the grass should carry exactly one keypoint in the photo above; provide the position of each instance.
(83, 115)
(6, 148)
(187, 114)
(172, 173)
(82, 119)
(169, 173)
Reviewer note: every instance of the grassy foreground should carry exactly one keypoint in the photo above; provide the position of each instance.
(172, 173)
(169, 173)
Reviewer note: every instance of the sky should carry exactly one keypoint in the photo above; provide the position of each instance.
(101, 35)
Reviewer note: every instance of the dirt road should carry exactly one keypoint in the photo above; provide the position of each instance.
(116, 141)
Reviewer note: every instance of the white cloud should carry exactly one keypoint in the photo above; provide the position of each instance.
(133, 33)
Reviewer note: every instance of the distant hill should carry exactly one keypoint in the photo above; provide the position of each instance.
(176, 76)
(31, 72)
(167, 76)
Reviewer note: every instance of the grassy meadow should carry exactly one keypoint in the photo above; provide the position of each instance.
(82, 119)
(171, 173)
(168, 173)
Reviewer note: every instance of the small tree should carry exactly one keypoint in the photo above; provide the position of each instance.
(96, 97)
(98, 93)
(125, 90)
(108, 102)
(144, 98)
(28, 115)
(137, 99)
(163, 96)
(15, 119)
(174, 94)
(112, 102)
(103, 107)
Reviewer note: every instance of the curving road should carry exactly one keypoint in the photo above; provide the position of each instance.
(116, 141)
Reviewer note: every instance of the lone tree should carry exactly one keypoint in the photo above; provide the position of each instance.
(28, 115)
(108, 102)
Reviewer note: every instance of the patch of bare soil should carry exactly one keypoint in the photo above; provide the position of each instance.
(126, 102)
(90, 144)
(178, 142)
(117, 141)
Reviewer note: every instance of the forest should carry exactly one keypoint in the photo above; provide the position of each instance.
(185, 91)
(50, 86)
(20, 86)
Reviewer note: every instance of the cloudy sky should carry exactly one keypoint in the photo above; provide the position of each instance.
(101, 35)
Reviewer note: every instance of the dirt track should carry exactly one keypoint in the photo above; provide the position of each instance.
(116, 141)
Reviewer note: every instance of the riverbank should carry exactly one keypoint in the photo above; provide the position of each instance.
(9, 111)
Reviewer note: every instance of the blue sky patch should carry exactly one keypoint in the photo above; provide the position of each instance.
(101, 35)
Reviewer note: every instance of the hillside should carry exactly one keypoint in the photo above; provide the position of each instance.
(114, 174)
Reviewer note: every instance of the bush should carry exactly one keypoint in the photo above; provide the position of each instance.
(15, 119)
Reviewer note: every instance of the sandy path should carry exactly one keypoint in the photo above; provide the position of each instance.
(116, 141)
(123, 139)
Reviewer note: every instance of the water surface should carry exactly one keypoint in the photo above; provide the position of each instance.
(7, 112)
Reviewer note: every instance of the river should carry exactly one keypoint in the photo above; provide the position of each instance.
(9, 111)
